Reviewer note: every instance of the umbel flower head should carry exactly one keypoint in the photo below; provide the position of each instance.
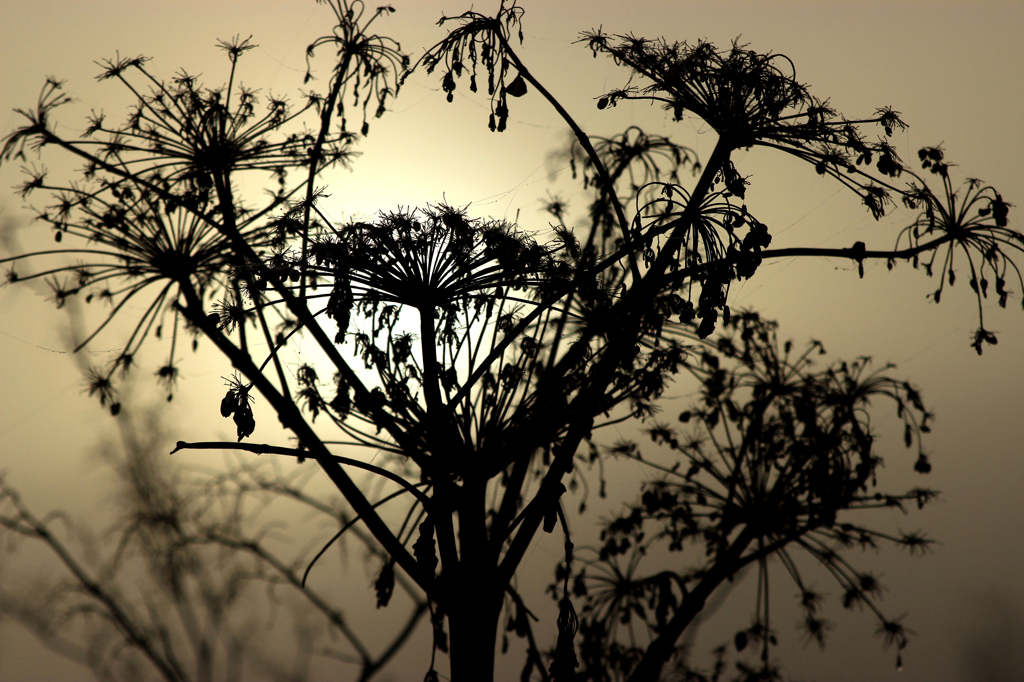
(751, 99)
(776, 455)
(151, 211)
(489, 302)
(970, 225)
(432, 258)
(157, 209)
(455, 271)
(481, 41)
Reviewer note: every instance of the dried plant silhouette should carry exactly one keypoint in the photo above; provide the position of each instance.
(193, 579)
(474, 366)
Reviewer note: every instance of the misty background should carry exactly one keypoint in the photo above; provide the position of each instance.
(952, 69)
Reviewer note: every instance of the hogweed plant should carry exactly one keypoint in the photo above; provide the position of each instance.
(483, 363)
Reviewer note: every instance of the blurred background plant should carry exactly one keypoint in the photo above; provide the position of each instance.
(198, 575)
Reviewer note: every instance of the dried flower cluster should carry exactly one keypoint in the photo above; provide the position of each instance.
(483, 362)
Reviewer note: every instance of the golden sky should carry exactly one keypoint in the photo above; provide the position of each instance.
(952, 68)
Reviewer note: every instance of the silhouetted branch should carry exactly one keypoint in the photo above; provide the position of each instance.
(261, 449)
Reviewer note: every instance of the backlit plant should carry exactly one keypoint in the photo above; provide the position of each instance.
(484, 361)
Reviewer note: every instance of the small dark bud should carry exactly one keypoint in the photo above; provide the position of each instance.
(244, 421)
(385, 584)
(517, 88)
(227, 404)
(424, 548)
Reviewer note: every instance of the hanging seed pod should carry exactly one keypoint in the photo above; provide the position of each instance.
(517, 88)
(424, 548)
(922, 466)
(244, 421)
(564, 664)
(385, 584)
(227, 405)
(518, 623)
(440, 636)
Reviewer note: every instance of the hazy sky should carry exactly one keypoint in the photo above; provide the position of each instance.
(953, 69)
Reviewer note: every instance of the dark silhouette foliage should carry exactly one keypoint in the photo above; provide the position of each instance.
(483, 363)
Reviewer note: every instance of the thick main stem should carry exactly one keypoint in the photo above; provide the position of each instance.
(474, 591)
(431, 369)
(473, 623)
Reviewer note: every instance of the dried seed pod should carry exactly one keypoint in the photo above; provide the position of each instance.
(385, 584)
(424, 548)
(228, 404)
(517, 88)
(244, 421)
(564, 662)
